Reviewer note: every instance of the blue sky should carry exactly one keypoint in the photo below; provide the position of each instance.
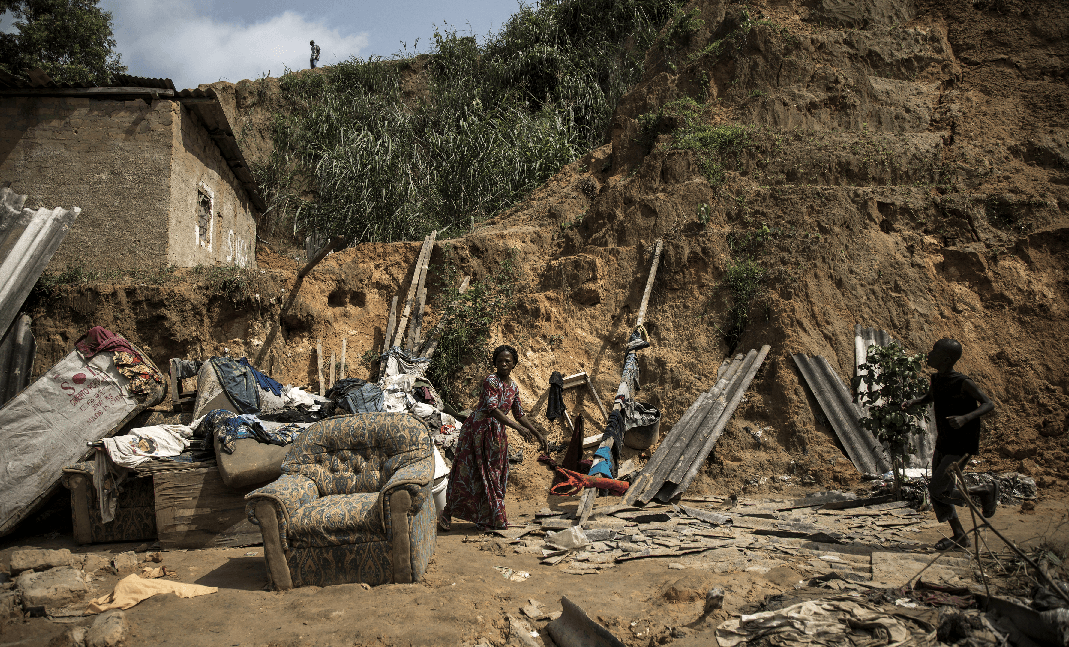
(200, 41)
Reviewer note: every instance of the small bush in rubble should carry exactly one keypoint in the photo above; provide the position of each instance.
(889, 377)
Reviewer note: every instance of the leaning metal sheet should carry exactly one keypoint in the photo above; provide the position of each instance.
(47, 425)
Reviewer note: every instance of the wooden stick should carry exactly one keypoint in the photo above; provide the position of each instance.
(391, 324)
(436, 334)
(402, 323)
(335, 243)
(586, 502)
(416, 330)
(341, 371)
(332, 361)
(597, 398)
(649, 283)
(319, 365)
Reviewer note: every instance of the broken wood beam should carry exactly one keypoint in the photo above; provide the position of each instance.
(597, 398)
(416, 329)
(402, 322)
(391, 323)
(586, 502)
(431, 344)
(319, 365)
(341, 368)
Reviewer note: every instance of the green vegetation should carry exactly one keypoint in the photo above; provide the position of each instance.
(71, 40)
(238, 284)
(49, 284)
(363, 149)
(685, 120)
(744, 280)
(892, 377)
(469, 318)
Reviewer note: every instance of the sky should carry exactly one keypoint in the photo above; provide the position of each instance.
(201, 41)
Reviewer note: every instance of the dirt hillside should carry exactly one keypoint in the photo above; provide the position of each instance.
(897, 164)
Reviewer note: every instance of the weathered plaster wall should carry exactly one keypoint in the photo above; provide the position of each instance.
(198, 168)
(111, 158)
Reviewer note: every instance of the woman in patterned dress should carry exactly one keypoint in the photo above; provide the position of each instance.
(480, 472)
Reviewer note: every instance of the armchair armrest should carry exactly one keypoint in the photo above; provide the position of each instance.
(413, 478)
(288, 493)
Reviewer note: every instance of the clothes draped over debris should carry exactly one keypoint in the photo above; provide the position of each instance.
(128, 361)
(573, 483)
(145, 443)
(354, 395)
(239, 383)
(230, 427)
(555, 405)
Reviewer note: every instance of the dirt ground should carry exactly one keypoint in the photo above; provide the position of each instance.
(463, 600)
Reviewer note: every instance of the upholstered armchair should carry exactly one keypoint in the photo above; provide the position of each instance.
(353, 504)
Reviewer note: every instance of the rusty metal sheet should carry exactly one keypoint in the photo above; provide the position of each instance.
(28, 239)
(867, 455)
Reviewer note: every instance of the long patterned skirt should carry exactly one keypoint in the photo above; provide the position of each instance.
(480, 472)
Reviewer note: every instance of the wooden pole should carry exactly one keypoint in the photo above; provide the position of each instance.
(402, 324)
(319, 365)
(586, 501)
(416, 330)
(391, 324)
(597, 398)
(436, 334)
(335, 243)
(332, 362)
(341, 371)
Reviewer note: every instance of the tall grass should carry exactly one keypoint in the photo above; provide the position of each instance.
(355, 155)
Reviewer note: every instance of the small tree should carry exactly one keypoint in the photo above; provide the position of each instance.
(71, 40)
(889, 378)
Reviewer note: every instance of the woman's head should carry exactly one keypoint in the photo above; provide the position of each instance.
(505, 348)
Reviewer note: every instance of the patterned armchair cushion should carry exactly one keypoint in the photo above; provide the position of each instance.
(336, 520)
(289, 493)
(358, 453)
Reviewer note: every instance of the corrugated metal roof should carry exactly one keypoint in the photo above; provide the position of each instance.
(17, 351)
(28, 239)
(867, 455)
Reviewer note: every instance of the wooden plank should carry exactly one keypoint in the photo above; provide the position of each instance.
(416, 329)
(194, 509)
(391, 324)
(333, 361)
(597, 398)
(574, 380)
(432, 339)
(586, 502)
(319, 365)
(341, 370)
(402, 323)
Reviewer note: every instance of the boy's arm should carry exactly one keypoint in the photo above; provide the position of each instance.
(986, 406)
(924, 399)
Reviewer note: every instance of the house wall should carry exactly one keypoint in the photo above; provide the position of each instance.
(198, 170)
(111, 158)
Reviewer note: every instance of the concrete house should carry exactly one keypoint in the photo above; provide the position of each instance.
(157, 172)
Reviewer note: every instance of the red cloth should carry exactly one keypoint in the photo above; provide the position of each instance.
(574, 482)
(99, 340)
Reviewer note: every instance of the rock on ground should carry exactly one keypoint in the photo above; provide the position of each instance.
(108, 630)
(37, 559)
(53, 588)
(124, 563)
(9, 605)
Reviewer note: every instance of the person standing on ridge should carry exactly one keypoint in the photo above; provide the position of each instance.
(959, 403)
(314, 58)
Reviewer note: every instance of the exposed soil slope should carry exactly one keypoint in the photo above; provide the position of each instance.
(901, 165)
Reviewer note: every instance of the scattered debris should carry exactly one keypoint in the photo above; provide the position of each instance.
(512, 575)
(575, 629)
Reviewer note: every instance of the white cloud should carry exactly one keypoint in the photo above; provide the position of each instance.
(172, 39)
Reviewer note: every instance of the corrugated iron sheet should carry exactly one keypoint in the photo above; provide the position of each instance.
(17, 351)
(28, 239)
(923, 443)
(867, 455)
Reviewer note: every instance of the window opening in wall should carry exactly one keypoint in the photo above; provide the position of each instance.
(204, 219)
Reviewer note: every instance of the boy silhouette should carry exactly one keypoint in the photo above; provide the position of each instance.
(959, 403)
